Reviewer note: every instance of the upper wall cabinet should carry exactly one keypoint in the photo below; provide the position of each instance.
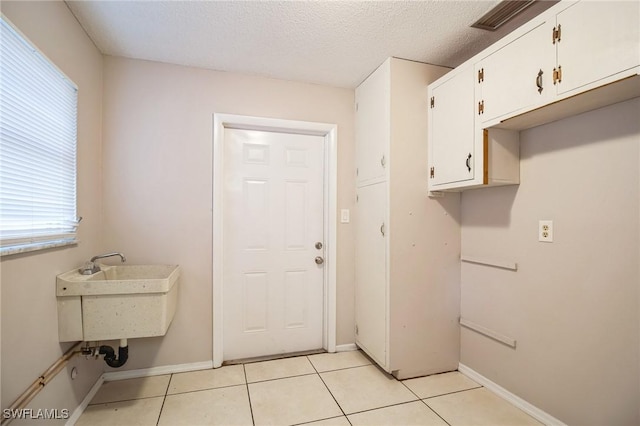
(569, 50)
(516, 77)
(461, 153)
(451, 129)
(595, 42)
(575, 57)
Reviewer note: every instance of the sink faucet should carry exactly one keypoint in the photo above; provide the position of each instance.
(91, 267)
(102, 256)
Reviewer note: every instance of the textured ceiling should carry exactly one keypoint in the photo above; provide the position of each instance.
(336, 43)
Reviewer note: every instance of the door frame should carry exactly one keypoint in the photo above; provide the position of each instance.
(330, 134)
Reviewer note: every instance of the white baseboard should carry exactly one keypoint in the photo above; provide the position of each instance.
(346, 348)
(85, 402)
(157, 371)
(525, 406)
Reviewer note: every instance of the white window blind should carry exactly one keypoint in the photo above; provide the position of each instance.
(38, 132)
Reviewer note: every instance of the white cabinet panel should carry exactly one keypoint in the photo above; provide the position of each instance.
(451, 128)
(513, 75)
(597, 40)
(371, 271)
(372, 125)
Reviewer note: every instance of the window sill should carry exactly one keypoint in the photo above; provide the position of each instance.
(30, 247)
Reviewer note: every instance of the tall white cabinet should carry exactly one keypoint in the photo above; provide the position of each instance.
(407, 245)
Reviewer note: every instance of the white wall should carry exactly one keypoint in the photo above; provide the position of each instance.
(29, 317)
(158, 139)
(573, 305)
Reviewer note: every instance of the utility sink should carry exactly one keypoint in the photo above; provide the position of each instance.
(119, 302)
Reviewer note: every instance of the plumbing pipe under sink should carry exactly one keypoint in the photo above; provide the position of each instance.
(110, 356)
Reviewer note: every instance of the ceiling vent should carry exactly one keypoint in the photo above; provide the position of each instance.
(502, 13)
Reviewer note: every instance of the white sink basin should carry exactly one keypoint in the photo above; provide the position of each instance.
(119, 302)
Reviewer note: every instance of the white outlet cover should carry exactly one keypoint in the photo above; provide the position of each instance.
(545, 231)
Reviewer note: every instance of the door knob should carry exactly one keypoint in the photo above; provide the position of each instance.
(319, 260)
(318, 245)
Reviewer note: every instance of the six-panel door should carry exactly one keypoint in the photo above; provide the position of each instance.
(273, 291)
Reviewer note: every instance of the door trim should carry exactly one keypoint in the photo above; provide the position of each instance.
(330, 134)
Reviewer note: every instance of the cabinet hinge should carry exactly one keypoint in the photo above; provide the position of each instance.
(556, 34)
(481, 107)
(433, 101)
(432, 172)
(557, 75)
(480, 75)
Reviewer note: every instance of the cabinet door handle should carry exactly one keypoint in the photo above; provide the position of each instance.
(539, 81)
(383, 162)
(469, 163)
(382, 229)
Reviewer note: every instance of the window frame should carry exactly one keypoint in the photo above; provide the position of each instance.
(64, 232)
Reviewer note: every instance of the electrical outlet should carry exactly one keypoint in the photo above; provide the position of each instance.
(545, 231)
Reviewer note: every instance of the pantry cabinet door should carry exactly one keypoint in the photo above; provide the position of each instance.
(451, 130)
(373, 128)
(517, 77)
(371, 271)
(597, 40)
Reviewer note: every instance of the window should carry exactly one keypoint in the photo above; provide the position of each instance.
(38, 132)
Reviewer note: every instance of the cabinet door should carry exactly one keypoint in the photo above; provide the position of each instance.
(373, 127)
(371, 271)
(597, 40)
(510, 77)
(451, 130)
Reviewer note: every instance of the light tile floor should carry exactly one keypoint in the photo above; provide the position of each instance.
(323, 389)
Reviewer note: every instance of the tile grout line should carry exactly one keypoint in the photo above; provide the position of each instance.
(451, 393)
(396, 405)
(320, 420)
(421, 400)
(246, 384)
(329, 390)
(166, 391)
(280, 378)
(208, 389)
(124, 400)
(345, 368)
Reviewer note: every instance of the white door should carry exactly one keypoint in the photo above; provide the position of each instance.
(273, 295)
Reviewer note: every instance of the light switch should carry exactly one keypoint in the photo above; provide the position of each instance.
(344, 216)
